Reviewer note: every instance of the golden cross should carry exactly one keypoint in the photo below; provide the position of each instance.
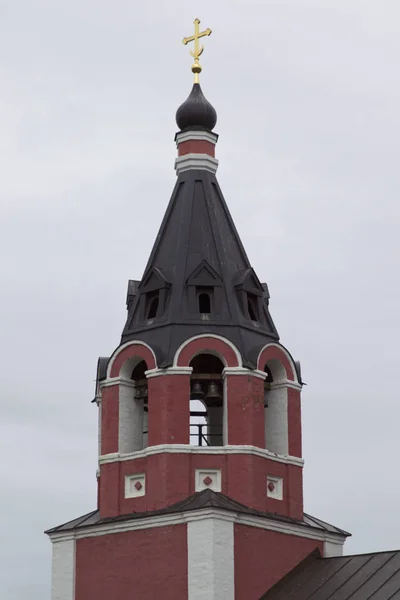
(198, 50)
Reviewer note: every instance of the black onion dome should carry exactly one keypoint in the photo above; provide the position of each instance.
(196, 111)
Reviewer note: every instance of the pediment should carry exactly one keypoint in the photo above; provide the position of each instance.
(204, 276)
(247, 280)
(154, 280)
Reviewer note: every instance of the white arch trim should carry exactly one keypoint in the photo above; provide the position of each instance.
(120, 349)
(285, 352)
(208, 335)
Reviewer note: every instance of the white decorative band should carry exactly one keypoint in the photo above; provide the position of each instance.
(286, 383)
(170, 371)
(117, 381)
(199, 515)
(243, 371)
(188, 449)
(186, 136)
(191, 161)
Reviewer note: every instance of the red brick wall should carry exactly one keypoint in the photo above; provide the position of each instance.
(137, 351)
(109, 419)
(196, 147)
(263, 557)
(245, 398)
(276, 353)
(171, 477)
(294, 422)
(144, 564)
(205, 345)
(169, 409)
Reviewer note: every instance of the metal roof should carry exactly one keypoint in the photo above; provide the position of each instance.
(198, 501)
(374, 576)
(198, 245)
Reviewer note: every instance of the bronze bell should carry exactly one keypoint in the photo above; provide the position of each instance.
(213, 396)
(197, 391)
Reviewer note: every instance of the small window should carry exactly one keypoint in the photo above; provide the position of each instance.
(252, 307)
(204, 303)
(152, 307)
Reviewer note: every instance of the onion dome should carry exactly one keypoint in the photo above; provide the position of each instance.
(196, 112)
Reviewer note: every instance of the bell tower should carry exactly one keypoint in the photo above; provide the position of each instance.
(200, 476)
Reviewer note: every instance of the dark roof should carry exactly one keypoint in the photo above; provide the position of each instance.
(196, 111)
(198, 245)
(198, 501)
(374, 576)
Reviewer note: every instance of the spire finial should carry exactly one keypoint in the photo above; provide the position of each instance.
(198, 50)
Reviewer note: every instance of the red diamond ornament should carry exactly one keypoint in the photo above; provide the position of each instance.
(271, 486)
(207, 480)
(138, 486)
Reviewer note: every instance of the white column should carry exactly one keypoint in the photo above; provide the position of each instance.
(211, 572)
(276, 419)
(130, 425)
(63, 570)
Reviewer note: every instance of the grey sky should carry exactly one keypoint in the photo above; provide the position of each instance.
(307, 95)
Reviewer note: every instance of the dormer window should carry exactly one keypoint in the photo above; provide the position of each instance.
(153, 302)
(204, 296)
(252, 306)
(250, 295)
(204, 292)
(153, 296)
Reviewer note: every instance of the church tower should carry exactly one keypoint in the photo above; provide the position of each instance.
(200, 478)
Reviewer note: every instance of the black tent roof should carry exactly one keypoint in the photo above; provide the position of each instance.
(198, 248)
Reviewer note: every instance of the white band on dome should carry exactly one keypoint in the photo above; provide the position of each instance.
(194, 134)
(196, 161)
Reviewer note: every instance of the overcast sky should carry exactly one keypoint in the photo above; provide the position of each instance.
(307, 94)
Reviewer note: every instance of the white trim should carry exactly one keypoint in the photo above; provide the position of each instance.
(286, 383)
(196, 515)
(285, 352)
(205, 162)
(208, 335)
(332, 549)
(186, 136)
(63, 569)
(276, 493)
(203, 450)
(118, 351)
(213, 474)
(243, 371)
(211, 568)
(117, 381)
(112, 457)
(170, 371)
(131, 481)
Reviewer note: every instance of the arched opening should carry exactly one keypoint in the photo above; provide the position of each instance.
(276, 408)
(206, 401)
(153, 307)
(204, 303)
